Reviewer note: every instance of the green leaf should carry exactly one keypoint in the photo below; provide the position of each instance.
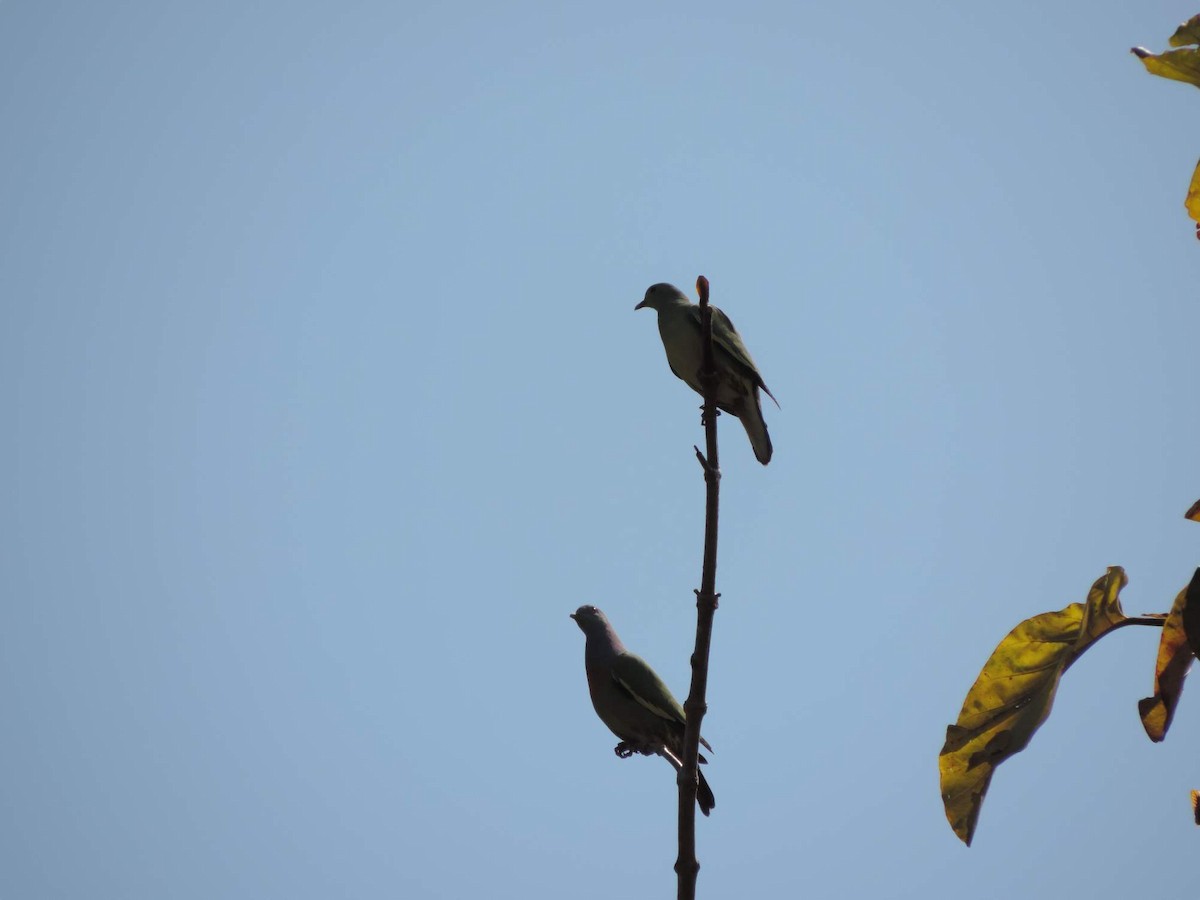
(1013, 695)
(1171, 667)
(1187, 33)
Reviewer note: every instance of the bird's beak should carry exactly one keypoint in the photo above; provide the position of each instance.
(639, 306)
(573, 617)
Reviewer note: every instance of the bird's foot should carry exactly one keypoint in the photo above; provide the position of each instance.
(626, 749)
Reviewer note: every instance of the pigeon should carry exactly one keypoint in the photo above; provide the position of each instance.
(632, 700)
(738, 377)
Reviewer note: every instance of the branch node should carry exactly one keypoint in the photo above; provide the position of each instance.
(710, 472)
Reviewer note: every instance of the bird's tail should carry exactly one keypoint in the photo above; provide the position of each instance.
(704, 795)
(756, 428)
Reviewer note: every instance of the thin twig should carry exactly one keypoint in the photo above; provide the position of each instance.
(687, 867)
(1154, 620)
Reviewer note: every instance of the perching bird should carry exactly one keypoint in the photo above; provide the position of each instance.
(632, 700)
(737, 390)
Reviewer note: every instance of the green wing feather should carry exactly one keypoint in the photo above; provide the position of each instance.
(635, 675)
(729, 347)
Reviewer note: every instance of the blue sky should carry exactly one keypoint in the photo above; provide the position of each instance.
(326, 403)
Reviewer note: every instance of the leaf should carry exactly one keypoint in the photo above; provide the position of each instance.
(1192, 204)
(1187, 33)
(1190, 616)
(1180, 64)
(1013, 695)
(1174, 660)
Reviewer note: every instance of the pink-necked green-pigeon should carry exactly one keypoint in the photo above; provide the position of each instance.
(632, 700)
(739, 380)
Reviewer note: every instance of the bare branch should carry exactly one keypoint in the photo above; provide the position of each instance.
(687, 867)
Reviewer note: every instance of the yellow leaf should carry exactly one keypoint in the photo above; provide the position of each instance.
(1174, 660)
(1013, 695)
(1187, 33)
(1178, 65)
(1193, 207)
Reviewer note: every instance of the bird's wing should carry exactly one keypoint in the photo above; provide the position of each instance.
(727, 343)
(635, 675)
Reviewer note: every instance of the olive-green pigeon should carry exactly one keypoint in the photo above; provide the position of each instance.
(632, 700)
(738, 377)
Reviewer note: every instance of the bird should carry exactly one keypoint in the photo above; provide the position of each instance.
(739, 379)
(632, 700)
